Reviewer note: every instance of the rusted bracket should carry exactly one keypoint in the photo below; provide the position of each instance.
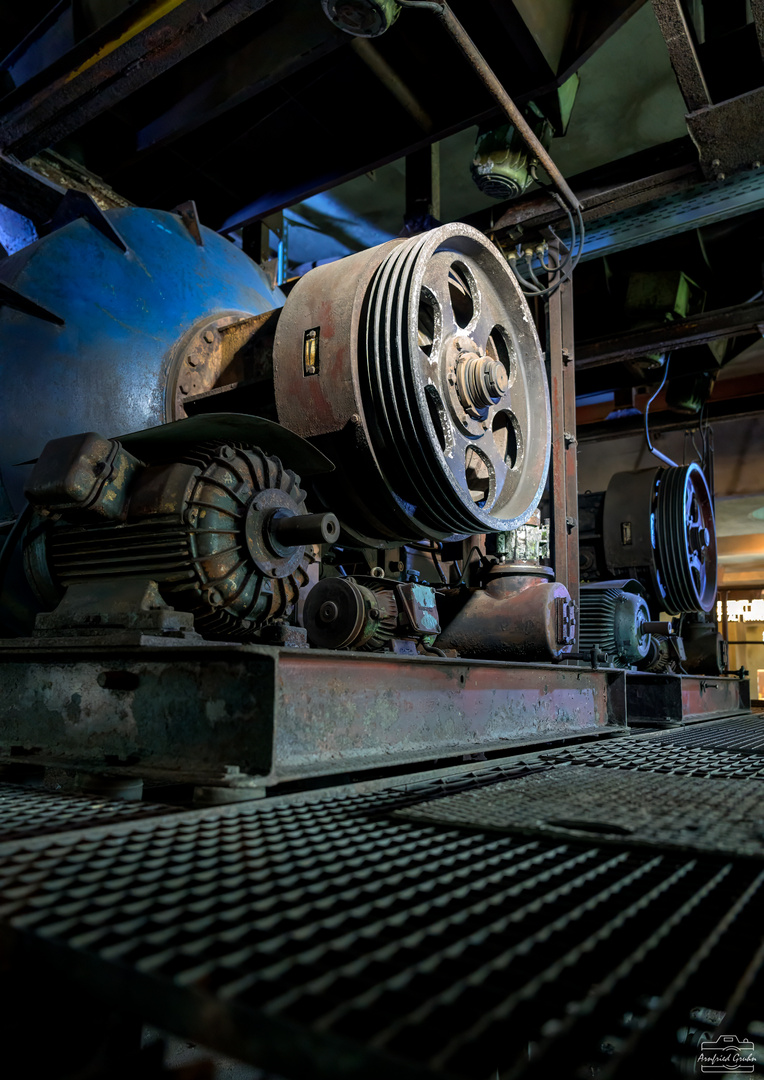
(120, 57)
(681, 49)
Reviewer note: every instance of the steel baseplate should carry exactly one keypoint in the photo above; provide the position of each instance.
(248, 717)
(667, 700)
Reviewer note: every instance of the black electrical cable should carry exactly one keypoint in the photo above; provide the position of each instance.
(650, 447)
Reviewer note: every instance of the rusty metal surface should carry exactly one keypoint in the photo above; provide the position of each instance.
(178, 710)
(226, 355)
(670, 810)
(730, 136)
(421, 708)
(667, 700)
(516, 616)
(325, 938)
(390, 332)
(564, 467)
(681, 49)
(122, 56)
(194, 711)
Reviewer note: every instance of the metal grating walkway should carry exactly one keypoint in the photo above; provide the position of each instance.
(329, 937)
(35, 812)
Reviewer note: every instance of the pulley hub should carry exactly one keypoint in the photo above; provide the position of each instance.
(481, 382)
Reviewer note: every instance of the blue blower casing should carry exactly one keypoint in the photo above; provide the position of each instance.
(95, 349)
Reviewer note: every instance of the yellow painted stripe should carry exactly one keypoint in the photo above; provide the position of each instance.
(153, 14)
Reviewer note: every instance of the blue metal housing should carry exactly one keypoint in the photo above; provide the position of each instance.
(104, 367)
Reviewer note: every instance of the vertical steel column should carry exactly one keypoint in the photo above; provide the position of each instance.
(423, 183)
(564, 463)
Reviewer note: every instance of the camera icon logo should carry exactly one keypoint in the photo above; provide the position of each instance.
(726, 1054)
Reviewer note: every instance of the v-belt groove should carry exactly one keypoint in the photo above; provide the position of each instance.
(401, 978)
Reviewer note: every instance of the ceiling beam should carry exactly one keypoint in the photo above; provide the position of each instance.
(119, 58)
(709, 326)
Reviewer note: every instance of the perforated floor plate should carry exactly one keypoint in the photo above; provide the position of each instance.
(685, 812)
(327, 939)
(654, 756)
(35, 812)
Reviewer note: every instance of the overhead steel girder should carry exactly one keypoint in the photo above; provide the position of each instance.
(725, 322)
(116, 60)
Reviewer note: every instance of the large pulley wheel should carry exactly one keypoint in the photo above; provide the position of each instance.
(429, 347)
(685, 536)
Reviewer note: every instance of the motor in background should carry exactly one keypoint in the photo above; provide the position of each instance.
(614, 618)
(502, 166)
(657, 526)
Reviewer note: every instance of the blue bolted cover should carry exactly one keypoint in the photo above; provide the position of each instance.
(105, 369)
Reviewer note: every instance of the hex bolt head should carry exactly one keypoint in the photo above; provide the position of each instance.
(192, 360)
(183, 388)
(374, 613)
(209, 337)
(214, 597)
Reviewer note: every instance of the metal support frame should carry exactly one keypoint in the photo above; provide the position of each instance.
(682, 53)
(708, 326)
(423, 183)
(757, 10)
(564, 468)
(730, 136)
(244, 718)
(256, 242)
(122, 56)
(670, 700)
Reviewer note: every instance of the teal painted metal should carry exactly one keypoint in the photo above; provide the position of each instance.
(105, 366)
(701, 205)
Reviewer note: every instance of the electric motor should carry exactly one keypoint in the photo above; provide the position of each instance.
(657, 526)
(613, 617)
(221, 529)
